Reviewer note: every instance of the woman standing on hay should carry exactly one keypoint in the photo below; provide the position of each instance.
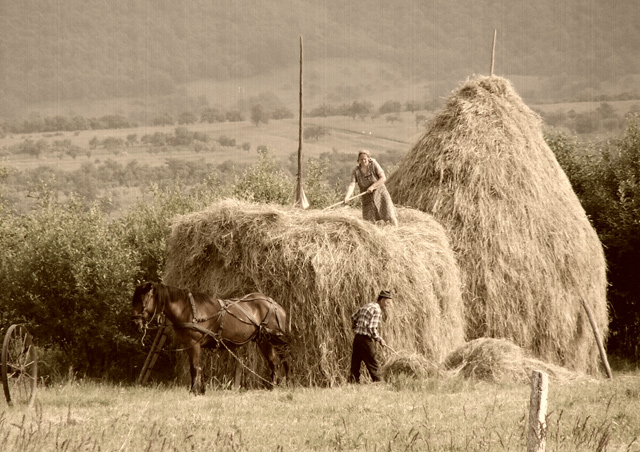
(376, 203)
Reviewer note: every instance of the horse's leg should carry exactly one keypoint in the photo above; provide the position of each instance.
(285, 354)
(267, 351)
(196, 371)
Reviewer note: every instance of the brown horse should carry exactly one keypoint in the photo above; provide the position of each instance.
(200, 320)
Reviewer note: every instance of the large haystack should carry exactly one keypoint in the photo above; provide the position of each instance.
(526, 249)
(321, 266)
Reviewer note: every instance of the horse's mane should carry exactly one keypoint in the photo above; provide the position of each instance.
(167, 293)
(164, 294)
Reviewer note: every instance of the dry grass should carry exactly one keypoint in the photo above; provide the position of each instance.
(526, 249)
(321, 266)
(452, 415)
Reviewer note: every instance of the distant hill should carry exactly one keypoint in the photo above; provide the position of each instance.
(85, 50)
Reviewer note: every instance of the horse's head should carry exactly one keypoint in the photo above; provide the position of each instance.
(144, 304)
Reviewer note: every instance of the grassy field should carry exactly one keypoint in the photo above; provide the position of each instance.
(403, 414)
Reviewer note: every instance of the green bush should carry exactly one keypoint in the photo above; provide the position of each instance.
(146, 226)
(69, 275)
(265, 182)
(606, 178)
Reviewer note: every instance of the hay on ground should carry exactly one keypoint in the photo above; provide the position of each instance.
(527, 252)
(500, 361)
(412, 365)
(321, 266)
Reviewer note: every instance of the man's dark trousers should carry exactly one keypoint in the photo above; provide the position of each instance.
(364, 350)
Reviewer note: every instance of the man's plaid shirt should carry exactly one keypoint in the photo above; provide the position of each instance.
(365, 321)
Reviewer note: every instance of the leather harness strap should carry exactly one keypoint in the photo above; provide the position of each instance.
(224, 309)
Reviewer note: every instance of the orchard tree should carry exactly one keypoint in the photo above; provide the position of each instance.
(211, 115)
(259, 115)
(187, 118)
(315, 131)
(360, 109)
(234, 116)
(393, 118)
(390, 106)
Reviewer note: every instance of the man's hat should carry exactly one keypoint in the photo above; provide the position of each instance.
(384, 294)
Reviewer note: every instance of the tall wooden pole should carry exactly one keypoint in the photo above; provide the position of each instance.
(299, 198)
(493, 50)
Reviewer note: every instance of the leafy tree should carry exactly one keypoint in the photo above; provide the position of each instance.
(360, 109)
(114, 122)
(412, 106)
(211, 115)
(113, 143)
(315, 131)
(226, 141)
(281, 113)
(605, 110)
(132, 139)
(585, 123)
(323, 111)
(259, 115)
(187, 118)
(393, 118)
(162, 120)
(234, 116)
(33, 148)
(390, 106)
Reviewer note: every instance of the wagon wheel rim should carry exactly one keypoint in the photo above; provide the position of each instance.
(19, 366)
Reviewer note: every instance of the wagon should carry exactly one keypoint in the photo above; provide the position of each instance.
(19, 366)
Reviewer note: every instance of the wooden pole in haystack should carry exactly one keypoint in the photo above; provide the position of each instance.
(493, 51)
(299, 198)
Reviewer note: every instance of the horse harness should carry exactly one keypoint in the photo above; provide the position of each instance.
(221, 314)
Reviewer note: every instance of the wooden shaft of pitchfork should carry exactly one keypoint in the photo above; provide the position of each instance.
(342, 202)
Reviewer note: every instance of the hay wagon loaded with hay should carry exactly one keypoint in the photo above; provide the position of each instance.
(321, 266)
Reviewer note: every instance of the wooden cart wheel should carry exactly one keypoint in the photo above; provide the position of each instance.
(19, 366)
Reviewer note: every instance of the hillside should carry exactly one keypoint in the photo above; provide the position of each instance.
(86, 51)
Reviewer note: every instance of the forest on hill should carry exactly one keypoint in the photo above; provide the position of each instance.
(85, 50)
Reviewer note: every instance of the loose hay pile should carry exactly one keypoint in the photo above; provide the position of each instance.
(499, 361)
(526, 249)
(321, 266)
(412, 365)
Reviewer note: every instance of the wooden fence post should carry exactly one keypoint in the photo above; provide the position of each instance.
(536, 436)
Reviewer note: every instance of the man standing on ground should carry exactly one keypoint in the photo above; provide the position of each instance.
(365, 322)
